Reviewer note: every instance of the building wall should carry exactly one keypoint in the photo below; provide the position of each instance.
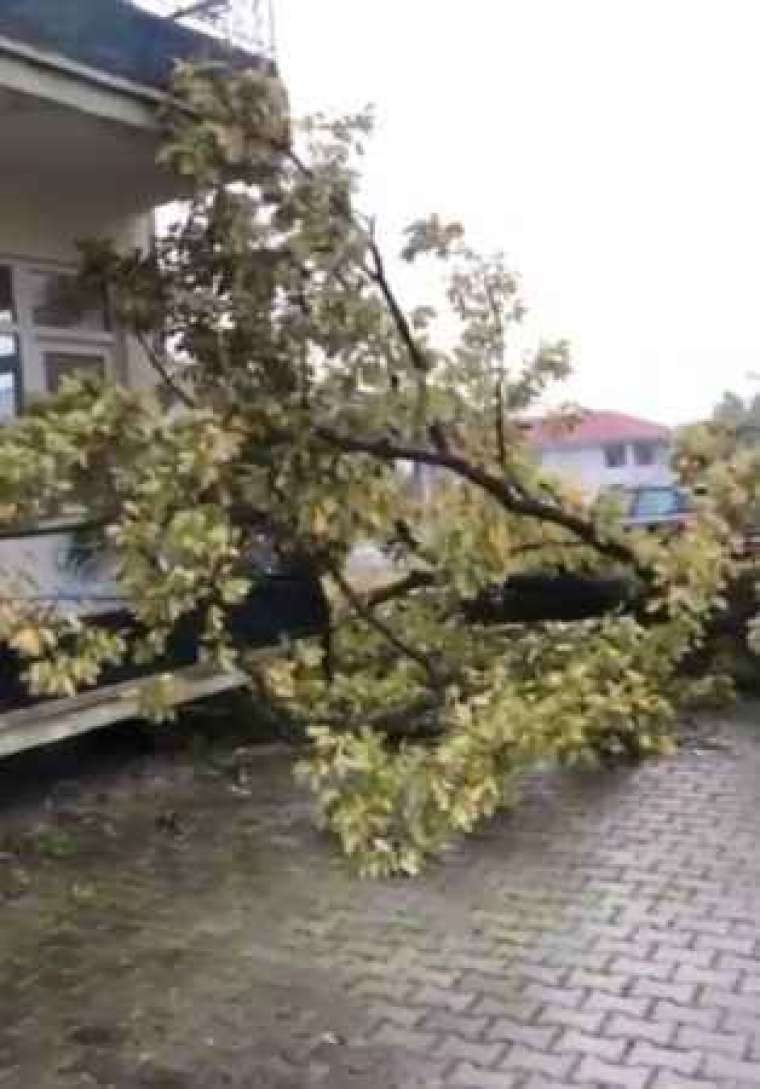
(43, 227)
(586, 467)
(46, 223)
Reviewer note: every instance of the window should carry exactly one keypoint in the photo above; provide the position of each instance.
(614, 455)
(58, 301)
(60, 365)
(6, 295)
(50, 327)
(10, 392)
(644, 453)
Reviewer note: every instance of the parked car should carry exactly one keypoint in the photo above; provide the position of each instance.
(652, 506)
(283, 603)
(531, 598)
(668, 506)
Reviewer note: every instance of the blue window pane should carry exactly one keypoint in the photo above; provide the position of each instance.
(10, 390)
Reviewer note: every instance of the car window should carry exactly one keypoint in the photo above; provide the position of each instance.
(657, 503)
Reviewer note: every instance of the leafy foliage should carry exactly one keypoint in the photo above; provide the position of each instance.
(719, 459)
(302, 386)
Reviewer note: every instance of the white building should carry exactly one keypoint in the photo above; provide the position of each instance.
(80, 86)
(81, 82)
(604, 450)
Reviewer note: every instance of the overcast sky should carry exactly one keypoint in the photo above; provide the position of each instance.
(610, 147)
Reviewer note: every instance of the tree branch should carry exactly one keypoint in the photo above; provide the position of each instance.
(502, 491)
(378, 276)
(364, 610)
(160, 368)
(501, 441)
(415, 580)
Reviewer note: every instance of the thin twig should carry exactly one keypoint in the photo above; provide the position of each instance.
(378, 276)
(364, 611)
(415, 580)
(500, 437)
(159, 367)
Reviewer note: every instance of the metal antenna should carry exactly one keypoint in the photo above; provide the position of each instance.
(245, 23)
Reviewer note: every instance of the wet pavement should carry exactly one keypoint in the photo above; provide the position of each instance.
(173, 920)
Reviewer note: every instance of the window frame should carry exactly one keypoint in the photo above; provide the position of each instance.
(649, 445)
(11, 364)
(35, 340)
(609, 462)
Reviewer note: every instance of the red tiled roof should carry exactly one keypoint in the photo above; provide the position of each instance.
(592, 429)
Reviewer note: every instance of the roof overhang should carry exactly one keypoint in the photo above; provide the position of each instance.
(114, 39)
(569, 444)
(26, 71)
(77, 131)
(80, 87)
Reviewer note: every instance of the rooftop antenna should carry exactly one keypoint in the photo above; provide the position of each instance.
(248, 24)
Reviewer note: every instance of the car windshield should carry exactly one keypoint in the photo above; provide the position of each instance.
(657, 502)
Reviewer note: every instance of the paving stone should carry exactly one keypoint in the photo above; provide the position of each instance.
(744, 1024)
(586, 1044)
(405, 1039)
(683, 1062)
(640, 1028)
(599, 981)
(639, 966)
(601, 935)
(707, 977)
(540, 1062)
(624, 947)
(712, 997)
(750, 984)
(666, 1079)
(569, 997)
(723, 1067)
(607, 1003)
(406, 1016)
(469, 1028)
(513, 1007)
(669, 937)
(538, 1081)
(742, 946)
(681, 991)
(442, 997)
(700, 958)
(686, 1015)
(476, 1053)
(514, 1032)
(711, 1042)
(733, 962)
(584, 1020)
(594, 1072)
(473, 1077)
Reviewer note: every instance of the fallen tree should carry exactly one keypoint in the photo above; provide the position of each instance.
(302, 386)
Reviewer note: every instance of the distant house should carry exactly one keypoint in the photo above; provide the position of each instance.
(604, 450)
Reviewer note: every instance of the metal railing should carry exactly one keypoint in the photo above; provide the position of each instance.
(247, 24)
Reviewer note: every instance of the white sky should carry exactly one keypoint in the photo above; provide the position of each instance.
(610, 147)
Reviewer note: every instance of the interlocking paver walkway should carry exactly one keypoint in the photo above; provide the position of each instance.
(605, 934)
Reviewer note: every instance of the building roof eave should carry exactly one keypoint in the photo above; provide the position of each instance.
(26, 69)
(116, 39)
